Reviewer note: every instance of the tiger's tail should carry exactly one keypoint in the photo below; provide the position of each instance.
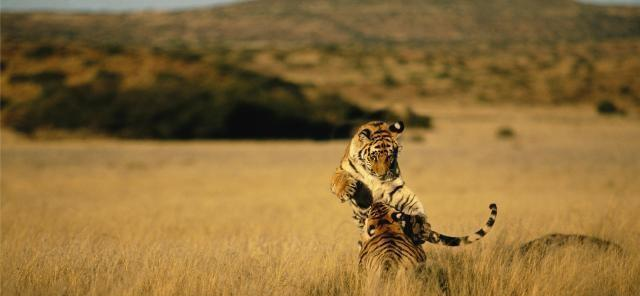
(452, 241)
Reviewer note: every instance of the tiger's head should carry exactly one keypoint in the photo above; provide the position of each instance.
(374, 146)
(382, 218)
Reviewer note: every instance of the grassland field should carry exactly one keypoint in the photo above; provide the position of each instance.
(114, 217)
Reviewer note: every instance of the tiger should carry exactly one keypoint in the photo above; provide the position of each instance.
(388, 246)
(385, 245)
(369, 172)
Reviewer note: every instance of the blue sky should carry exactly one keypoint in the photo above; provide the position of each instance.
(124, 5)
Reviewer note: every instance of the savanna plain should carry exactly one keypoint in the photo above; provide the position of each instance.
(117, 217)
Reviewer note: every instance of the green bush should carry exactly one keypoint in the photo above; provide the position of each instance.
(111, 48)
(48, 80)
(505, 132)
(417, 120)
(389, 81)
(42, 51)
(606, 107)
(4, 102)
(45, 77)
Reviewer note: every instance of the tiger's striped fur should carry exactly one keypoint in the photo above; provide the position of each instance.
(385, 246)
(452, 241)
(369, 172)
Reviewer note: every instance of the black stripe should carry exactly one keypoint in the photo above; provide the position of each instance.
(395, 190)
(481, 232)
(381, 131)
(360, 156)
(413, 203)
(410, 198)
(450, 241)
(401, 206)
(490, 222)
(352, 166)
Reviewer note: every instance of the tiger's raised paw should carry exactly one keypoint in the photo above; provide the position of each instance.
(344, 186)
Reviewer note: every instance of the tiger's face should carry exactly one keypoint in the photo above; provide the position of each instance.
(383, 219)
(375, 147)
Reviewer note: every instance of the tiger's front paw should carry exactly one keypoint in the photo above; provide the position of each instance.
(348, 191)
(344, 186)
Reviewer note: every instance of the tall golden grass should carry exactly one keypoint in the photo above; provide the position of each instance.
(107, 217)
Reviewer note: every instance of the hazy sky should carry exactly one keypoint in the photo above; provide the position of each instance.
(119, 5)
(636, 2)
(106, 4)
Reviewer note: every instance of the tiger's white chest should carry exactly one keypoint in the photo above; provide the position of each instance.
(380, 190)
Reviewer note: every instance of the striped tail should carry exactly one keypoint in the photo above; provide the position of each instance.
(445, 240)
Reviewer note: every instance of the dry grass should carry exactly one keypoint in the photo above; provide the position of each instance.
(104, 217)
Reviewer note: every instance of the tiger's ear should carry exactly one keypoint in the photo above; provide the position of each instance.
(397, 127)
(398, 216)
(364, 135)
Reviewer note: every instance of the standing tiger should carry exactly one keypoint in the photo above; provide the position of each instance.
(387, 246)
(369, 172)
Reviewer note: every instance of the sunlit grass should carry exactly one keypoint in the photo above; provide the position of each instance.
(103, 217)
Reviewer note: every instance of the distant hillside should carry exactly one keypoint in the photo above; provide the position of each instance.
(141, 93)
(336, 22)
(376, 54)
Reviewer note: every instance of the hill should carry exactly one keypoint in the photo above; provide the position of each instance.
(286, 22)
(292, 63)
